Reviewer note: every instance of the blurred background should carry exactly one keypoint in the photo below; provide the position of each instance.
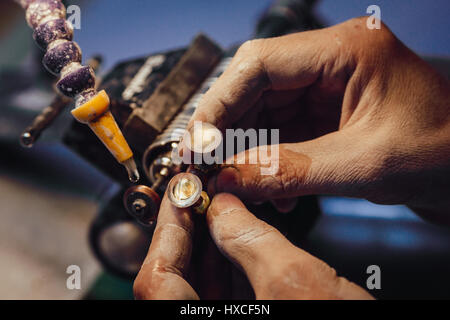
(49, 195)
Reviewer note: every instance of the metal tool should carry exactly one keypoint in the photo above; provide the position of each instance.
(32, 133)
(152, 100)
(158, 158)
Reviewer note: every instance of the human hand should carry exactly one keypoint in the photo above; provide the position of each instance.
(181, 263)
(360, 115)
(275, 268)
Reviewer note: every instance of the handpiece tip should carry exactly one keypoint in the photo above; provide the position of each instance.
(133, 173)
(26, 140)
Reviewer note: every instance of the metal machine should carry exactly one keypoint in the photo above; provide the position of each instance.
(151, 99)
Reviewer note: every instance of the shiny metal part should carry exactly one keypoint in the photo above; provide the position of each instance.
(184, 190)
(142, 203)
(165, 144)
(202, 204)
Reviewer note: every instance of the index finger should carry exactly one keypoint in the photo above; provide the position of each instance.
(284, 63)
(288, 62)
(162, 275)
(275, 268)
(235, 91)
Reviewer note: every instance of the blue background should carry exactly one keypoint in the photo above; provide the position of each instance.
(123, 29)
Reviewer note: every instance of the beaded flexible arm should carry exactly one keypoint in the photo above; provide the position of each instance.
(62, 58)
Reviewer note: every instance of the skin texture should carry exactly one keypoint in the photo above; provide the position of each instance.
(274, 267)
(359, 114)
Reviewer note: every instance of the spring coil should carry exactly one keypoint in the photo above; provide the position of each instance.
(177, 127)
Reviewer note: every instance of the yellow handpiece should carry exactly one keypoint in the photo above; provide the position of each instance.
(95, 113)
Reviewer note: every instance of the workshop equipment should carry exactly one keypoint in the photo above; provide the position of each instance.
(62, 58)
(158, 158)
(30, 135)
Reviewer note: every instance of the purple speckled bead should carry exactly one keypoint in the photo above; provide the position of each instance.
(52, 30)
(40, 9)
(77, 81)
(60, 55)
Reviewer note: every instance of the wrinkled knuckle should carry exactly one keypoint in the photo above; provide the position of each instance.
(240, 237)
(284, 180)
(146, 285)
(380, 40)
(391, 170)
(161, 270)
(248, 56)
(357, 23)
(331, 271)
(251, 235)
(229, 213)
(289, 177)
(250, 47)
(183, 229)
(385, 39)
(245, 47)
(217, 207)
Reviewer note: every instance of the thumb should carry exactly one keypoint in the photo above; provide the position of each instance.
(332, 164)
(275, 268)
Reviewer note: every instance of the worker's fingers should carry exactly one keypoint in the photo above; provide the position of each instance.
(332, 164)
(162, 275)
(236, 91)
(244, 239)
(263, 64)
(275, 268)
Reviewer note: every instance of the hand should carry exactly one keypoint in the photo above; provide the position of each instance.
(171, 262)
(275, 268)
(368, 117)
